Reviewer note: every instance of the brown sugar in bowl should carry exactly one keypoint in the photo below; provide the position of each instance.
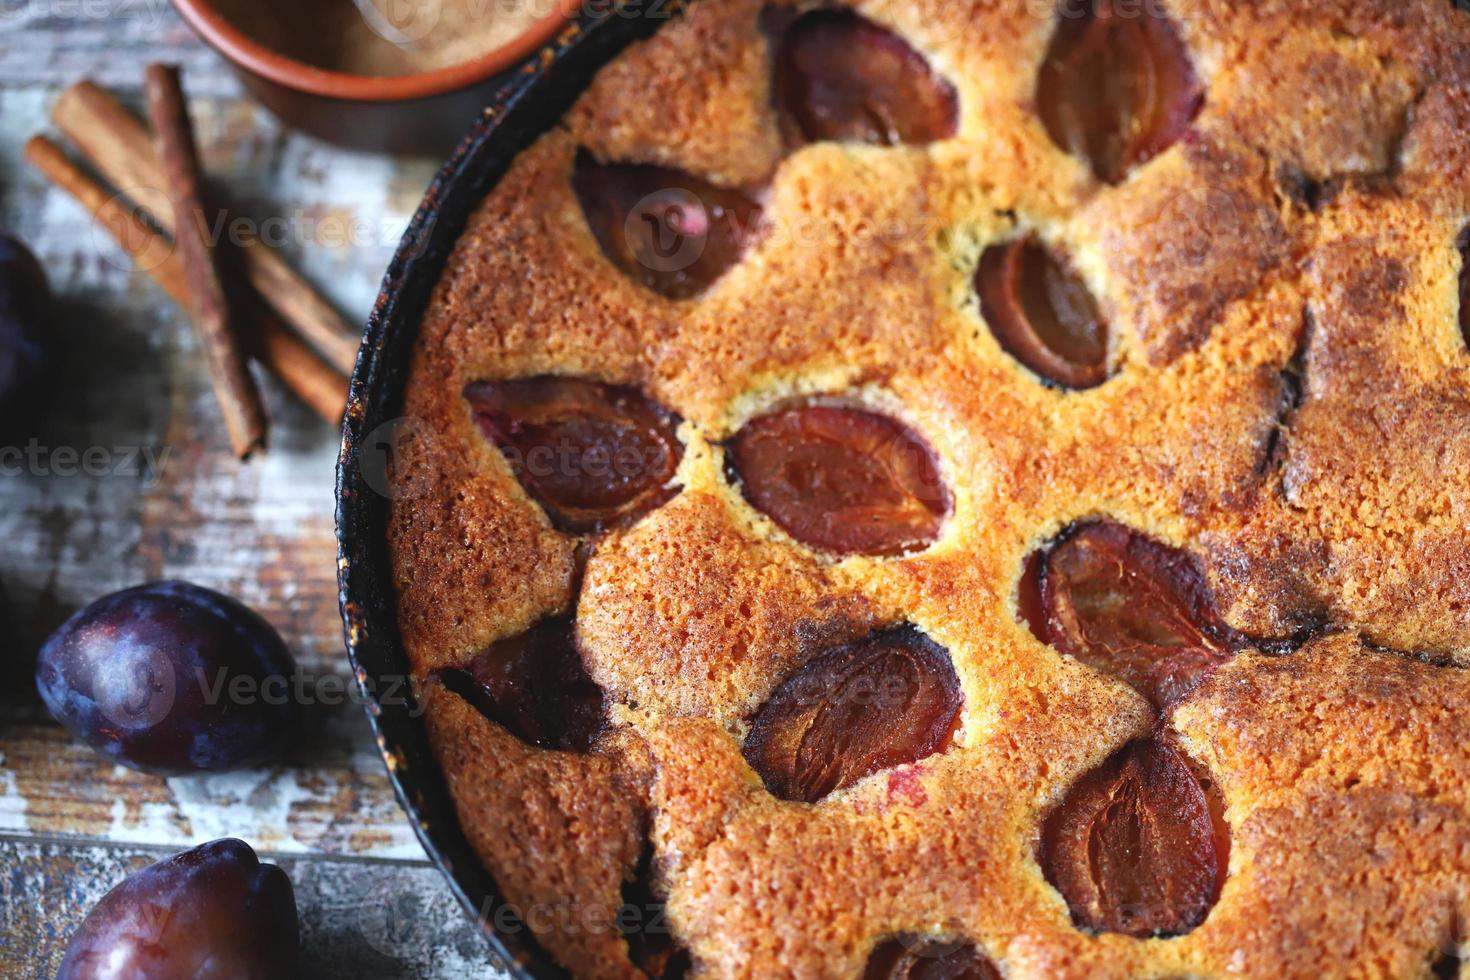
(422, 112)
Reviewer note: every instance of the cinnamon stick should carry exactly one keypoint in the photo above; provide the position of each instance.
(205, 301)
(298, 367)
(117, 144)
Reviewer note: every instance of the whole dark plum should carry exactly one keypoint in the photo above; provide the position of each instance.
(171, 678)
(25, 306)
(213, 912)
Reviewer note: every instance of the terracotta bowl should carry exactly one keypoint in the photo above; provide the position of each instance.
(422, 113)
(527, 109)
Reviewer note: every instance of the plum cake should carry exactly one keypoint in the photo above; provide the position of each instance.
(965, 488)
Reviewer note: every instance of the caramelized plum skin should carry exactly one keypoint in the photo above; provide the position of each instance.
(666, 962)
(1116, 87)
(841, 479)
(1121, 602)
(644, 923)
(535, 686)
(889, 699)
(213, 912)
(1043, 314)
(668, 230)
(594, 456)
(148, 677)
(25, 308)
(840, 77)
(910, 958)
(1134, 848)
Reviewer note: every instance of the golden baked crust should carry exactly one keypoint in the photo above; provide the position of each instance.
(557, 831)
(1290, 403)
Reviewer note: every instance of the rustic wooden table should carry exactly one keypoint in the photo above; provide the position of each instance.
(71, 825)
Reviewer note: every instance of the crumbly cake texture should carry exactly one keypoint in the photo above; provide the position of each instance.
(1290, 403)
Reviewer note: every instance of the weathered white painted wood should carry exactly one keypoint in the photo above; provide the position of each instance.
(164, 499)
(330, 797)
(359, 918)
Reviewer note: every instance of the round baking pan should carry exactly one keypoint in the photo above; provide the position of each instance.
(530, 106)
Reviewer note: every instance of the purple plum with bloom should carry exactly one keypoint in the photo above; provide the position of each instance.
(171, 678)
(213, 912)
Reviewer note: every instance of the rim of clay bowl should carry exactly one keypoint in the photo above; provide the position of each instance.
(289, 73)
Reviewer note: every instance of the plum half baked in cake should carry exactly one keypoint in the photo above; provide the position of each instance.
(965, 489)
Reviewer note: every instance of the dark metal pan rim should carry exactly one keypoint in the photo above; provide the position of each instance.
(526, 109)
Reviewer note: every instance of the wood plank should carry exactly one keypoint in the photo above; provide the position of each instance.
(54, 41)
(133, 385)
(166, 500)
(261, 531)
(358, 918)
(331, 797)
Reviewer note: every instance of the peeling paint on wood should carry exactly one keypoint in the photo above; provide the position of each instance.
(333, 798)
(167, 500)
